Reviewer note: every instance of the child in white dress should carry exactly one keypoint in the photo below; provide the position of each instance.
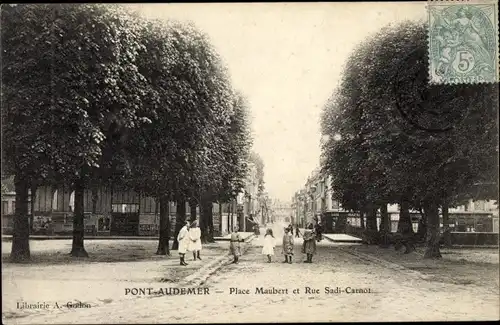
(195, 240)
(269, 243)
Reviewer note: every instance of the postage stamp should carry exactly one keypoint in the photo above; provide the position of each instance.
(463, 41)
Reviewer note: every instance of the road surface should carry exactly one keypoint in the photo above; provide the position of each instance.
(337, 287)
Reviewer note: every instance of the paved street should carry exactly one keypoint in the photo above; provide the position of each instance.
(383, 294)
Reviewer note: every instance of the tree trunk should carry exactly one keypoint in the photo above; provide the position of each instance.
(77, 249)
(241, 219)
(192, 209)
(210, 207)
(405, 228)
(95, 198)
(220, 218)
(422, 227)
(385, 228)
(180, 221)
(371, 233)
(404, 223)
(446, 225)
(371, 219)
(362, 219)
(229, 216)
(204, 221)
(32, 206)
(164, 237)
(432, 214)
(21, 236)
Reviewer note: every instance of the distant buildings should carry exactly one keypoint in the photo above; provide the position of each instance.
(315, 199)
(281, 211)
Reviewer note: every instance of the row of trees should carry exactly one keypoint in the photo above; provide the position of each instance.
(392, 137)
(93, 96)
(256, 159)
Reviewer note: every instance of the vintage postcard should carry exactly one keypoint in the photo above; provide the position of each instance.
(250, 162)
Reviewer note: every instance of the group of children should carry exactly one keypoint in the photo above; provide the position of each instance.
(189, 239)
(308, 247)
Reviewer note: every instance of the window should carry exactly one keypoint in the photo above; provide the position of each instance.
(13, 210)
(5, 207)
(148, 205)
(125, 208)
(71, 203)
(103, 224)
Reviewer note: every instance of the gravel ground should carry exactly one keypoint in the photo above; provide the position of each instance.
(385, 294)
(460, 266)
(52, 252)
(92, 280)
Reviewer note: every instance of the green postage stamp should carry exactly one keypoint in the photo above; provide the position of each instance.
(463, 41)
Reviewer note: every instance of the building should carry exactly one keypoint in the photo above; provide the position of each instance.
(108, 213)
(281, 211)
(315, 199)
(249, 201)
(113, 212)
(8, 203)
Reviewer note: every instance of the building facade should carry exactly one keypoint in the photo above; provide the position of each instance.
(108, 213)
(315, 199)
(111, 212)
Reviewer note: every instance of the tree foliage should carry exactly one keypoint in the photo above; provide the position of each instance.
(403, 139)
(256, 159)
(93, 95)
(70, 86)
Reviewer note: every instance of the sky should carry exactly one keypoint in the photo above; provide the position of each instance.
(287, 59)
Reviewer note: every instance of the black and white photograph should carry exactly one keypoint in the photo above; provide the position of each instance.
(177, 163)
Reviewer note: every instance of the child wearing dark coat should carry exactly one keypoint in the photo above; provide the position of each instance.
(288, 245)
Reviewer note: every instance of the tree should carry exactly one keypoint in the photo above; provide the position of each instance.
(237, 142)
(70, 84)
(180, 155)
(209, 110)
(259, 163)
(395, 126)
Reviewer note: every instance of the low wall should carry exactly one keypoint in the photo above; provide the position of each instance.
(457, 238)
(354, 231)
(474, 238)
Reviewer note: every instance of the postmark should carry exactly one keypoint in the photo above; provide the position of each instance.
(463, 42)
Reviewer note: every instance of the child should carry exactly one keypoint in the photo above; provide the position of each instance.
(309, 246)
(234, 247)
(183, 240)
(195, 240)
(268, 248)
(288, 245)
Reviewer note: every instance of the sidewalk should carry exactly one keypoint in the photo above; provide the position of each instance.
(7, 238)
(342, 238)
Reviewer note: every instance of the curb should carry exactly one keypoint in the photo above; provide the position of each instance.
(358, 241)
(200, 276)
